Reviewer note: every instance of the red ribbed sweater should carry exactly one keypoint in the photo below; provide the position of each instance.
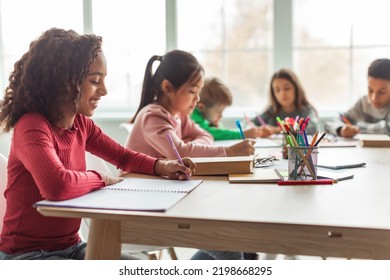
(47, 162)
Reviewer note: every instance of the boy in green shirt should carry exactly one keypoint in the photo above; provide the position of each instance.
(214, 98)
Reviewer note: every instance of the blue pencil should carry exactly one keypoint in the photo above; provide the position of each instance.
(240, 128)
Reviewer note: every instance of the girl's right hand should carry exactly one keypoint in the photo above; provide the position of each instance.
(244, 148)
(349, 131)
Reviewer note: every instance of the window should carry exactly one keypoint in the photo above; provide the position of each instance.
(19, 26)
(334, 43)
(132, 31)
(232, 40)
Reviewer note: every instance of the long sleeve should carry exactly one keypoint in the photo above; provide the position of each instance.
(270, 117)
(267, 116)
(55, 161)
(218, 133)
(368, 118)
(149, 135)
(47, 162)
(365, 116)
(106, 148)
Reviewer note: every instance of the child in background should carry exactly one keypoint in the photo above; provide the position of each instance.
(168, 98)
(287, 99)
(371, 113)
(214, 98)
(53, 90)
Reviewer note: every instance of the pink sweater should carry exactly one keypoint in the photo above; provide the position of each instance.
(149, 135)
(47, 162)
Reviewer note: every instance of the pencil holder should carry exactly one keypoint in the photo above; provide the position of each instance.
(302, 163)
(284, 144)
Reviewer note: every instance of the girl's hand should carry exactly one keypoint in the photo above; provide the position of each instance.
(274, 129)
(173, 169)
(349, 131)
(244, 148)
(264, 131)
(109, 179)
(258, 132)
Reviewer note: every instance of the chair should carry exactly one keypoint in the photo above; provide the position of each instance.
(127, 127)
(98, 164)
(3, 184)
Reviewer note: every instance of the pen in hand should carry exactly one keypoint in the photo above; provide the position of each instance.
(170, 140)
(240, 128)
(344, 119)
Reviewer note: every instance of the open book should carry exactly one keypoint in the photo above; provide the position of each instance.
(133, 194)
(374, 140)
(223, 165)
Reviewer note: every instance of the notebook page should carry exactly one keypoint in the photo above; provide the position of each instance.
(146, 195)
(155, 185)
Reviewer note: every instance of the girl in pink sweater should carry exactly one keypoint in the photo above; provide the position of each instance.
(54, 89)
(168, 98)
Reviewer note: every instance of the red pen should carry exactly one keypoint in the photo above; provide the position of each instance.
(307, 182)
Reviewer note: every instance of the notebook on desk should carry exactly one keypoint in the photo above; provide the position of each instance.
(259, 175)
(338, 175)
(341, 165)
(132, 194)
(374, 140)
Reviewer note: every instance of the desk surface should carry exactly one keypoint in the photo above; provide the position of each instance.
(324, 220)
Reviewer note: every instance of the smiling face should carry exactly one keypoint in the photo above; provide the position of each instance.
(284, 92)
(93, 87)
(378, 92)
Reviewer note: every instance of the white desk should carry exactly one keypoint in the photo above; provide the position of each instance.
(349, 219)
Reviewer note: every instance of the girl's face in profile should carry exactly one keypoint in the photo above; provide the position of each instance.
(93, 87)
(184, 99)
(378, 92)
(284, 93)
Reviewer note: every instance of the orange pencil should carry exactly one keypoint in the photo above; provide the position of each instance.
(344, 119)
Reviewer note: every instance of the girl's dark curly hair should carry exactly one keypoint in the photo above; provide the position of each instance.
(48, 76)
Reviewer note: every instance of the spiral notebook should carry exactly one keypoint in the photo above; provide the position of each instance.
(133, 194)
(342, 165)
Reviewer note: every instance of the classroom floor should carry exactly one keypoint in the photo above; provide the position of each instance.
(187, 253)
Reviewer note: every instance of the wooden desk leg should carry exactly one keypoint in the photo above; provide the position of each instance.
(104, 240)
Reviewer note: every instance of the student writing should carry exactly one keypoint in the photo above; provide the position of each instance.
(169, 95)
(214, 98)
(168, 98)
(53, 90)
(371, 113)
(287, 98)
